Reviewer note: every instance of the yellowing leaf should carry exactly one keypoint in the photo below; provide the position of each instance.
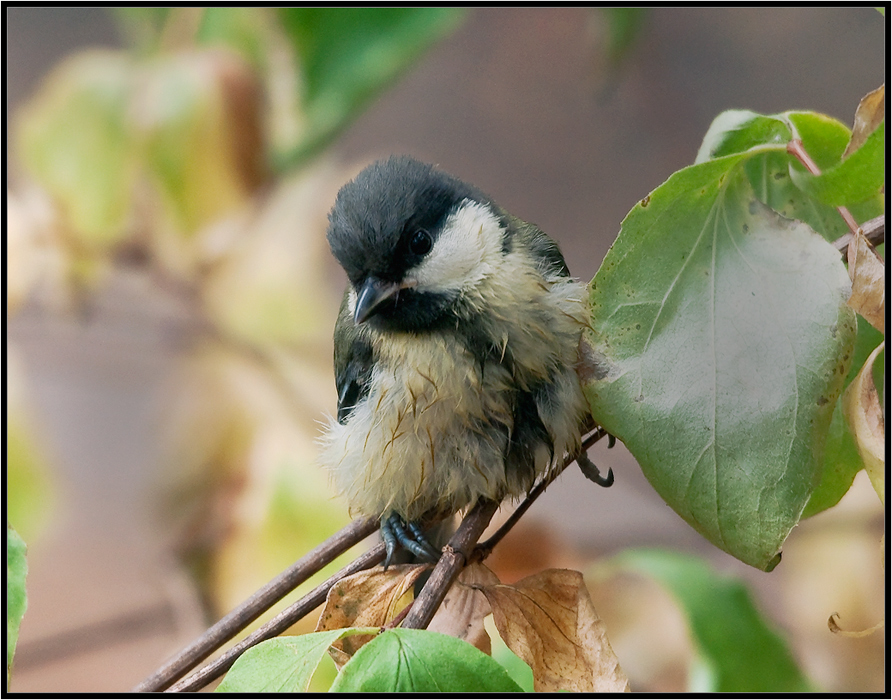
(865, 416)
(871, 111)
(200, 113)
(549, 621)
(270, 278)
(366, 599)
(868, 275)
(77, 140)
(246, 492)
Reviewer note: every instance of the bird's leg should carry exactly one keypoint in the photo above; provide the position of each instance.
(592, 473)
(409, 535)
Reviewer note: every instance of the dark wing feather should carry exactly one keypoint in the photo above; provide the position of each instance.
(548, 255)
(353, 361)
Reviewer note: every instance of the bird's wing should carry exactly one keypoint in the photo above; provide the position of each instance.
(548, 255)
(353, 360)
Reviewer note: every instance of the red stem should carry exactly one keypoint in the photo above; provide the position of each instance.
(796, 148)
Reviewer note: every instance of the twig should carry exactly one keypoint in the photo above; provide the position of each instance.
(278, 624)
(486, 547)
(257, 604)
(455, 555)
(874, 231)
(795, 148)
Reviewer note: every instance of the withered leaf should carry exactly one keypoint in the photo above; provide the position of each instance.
(871, 111)
(862, 408)
(868, 274)
(366, 599)
(549, 621)
(465, 606)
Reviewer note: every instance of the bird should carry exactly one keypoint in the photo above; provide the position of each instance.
(455, 351)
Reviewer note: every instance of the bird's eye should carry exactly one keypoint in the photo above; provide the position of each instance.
(421, 242)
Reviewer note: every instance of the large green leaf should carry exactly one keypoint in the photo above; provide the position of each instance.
(16, 598)
(347, 55)
(419, 661)
(739, 648)
(783, 184)
(719, 344)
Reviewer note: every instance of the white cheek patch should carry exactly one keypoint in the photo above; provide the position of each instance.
(466, 252)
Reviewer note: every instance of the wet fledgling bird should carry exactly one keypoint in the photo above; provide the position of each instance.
(455, 350)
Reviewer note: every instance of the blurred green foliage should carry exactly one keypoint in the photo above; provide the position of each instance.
(740, 652)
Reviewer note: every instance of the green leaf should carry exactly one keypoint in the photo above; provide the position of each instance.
(16, 597)
(720, 341)
(280, 665)
(770, 169)
(29, 489)
(348, 55)
(825, 138)
(623, 28)
(739, 648)
(739, 130)
(420, 661)
(855, 179)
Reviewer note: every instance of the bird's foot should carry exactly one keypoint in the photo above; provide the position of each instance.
(408, 535)
(592, 473)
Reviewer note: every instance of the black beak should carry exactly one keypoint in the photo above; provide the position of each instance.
(371, 296)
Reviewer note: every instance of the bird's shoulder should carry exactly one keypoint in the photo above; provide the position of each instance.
(542, 247)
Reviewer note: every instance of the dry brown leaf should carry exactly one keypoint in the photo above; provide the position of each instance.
(549, 621)
(871, 111)
(465, 606)
(868, 273)
(865, 415)
(366, 599)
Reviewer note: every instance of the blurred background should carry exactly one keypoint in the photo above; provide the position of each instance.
(171, 295)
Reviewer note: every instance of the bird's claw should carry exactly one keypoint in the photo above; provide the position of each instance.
(408, 535)
(592, 473)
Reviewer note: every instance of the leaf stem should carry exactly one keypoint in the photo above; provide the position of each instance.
(795, 148)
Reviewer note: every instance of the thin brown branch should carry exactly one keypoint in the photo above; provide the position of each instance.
(874, 231)
(455, 556)
(278, 624)
(257, 604)
(486, 547)
(795, 148)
